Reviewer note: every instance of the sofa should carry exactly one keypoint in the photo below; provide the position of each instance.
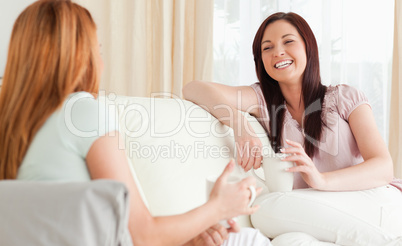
(172, 145)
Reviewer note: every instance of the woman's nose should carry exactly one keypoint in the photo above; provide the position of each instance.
(279, 51)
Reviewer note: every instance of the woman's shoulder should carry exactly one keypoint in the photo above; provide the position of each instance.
(81, 97)
(87, 113)
(344, 89)
(82, 103)
(257, 88)
(258, 91)
(344, 99)
(343, 92)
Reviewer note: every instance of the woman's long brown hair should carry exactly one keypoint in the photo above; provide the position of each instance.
(313, 91)
(52, 53)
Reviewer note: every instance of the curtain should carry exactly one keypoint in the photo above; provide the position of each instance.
(395, 126)
(152, 46)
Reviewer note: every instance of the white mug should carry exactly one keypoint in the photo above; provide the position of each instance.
(231, 179)
(276, 178)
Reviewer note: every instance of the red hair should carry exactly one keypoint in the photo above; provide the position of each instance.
(52, 53)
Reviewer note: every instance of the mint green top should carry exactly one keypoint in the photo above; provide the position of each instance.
(59, 148)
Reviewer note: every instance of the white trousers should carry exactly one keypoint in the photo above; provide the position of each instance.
(247, 237)
(369, 217)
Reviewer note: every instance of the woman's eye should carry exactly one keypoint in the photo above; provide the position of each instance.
(288, 41)
(266, 48)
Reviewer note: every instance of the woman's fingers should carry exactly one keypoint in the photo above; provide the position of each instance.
(234, 197)
(297, 153)
(296, 149)
(223, 232)
(234, 227)
(207, 239)
(249, 154)
(256, 151)
(293, 143)
(298, 156)
(252, 209)
(293, 150)
(304, 165)
(246, 182)
(245, 186)
(250, 163)
(216, 236)
(258, 191)
(238, 155)
(301, 169)
(257, 163)
(298, 159)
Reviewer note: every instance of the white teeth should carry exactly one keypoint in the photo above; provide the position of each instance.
(283, 64)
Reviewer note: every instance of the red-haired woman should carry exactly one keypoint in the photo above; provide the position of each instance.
(50, 128)
(329, 132)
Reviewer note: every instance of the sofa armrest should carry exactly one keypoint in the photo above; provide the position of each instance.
(64, 213)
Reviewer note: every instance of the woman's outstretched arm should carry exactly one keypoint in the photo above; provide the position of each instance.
(106, 161)
(223, 102)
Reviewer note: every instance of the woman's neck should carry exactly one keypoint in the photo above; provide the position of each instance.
(293, 98)
(294, 101)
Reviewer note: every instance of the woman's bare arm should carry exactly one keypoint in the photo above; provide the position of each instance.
(223, 102)
(377, 168)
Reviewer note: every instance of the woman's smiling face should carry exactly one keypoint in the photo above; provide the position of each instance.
(283, 52)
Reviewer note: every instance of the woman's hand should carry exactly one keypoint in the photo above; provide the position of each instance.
(232, 199)
(248, 146)
(304, 165)
(215, 235)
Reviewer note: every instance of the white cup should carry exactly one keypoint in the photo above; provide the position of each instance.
(276, 178)
(231, 180)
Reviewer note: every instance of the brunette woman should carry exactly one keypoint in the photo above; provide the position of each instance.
(329, 132)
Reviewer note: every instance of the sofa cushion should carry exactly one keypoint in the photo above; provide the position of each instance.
(64, 214)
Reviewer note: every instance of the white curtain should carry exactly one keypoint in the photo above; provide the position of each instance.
(355, 48)
(395, 126)
(151, 46)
